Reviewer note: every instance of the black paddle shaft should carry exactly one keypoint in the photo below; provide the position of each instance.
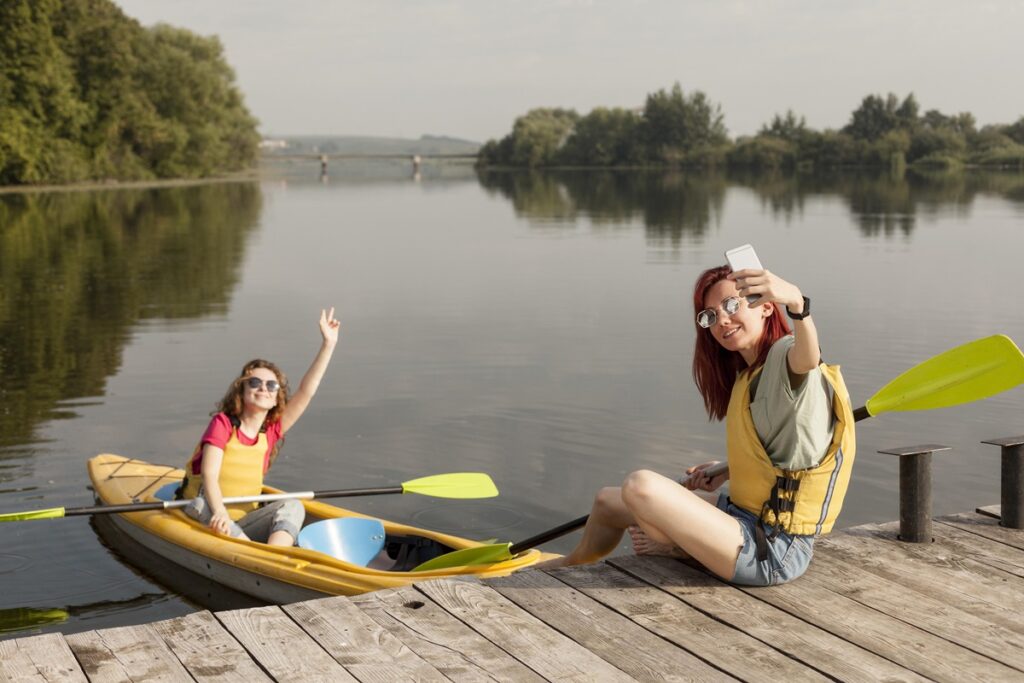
(550, 535)
(161, 505)
(349, 493)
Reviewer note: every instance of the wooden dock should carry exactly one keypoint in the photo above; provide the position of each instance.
(869, 609)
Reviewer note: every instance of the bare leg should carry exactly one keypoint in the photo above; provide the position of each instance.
(281, 538)
(609, 518)
(644, 545)
(671, 514)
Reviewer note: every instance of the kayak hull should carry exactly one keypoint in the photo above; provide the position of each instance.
(267, 573)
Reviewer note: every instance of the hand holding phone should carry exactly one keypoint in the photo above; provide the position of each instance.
(742, 258)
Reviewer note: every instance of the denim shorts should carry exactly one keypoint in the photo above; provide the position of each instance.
(280, 515)
(788, 556)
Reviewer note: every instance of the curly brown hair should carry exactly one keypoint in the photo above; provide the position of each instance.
(231, 404)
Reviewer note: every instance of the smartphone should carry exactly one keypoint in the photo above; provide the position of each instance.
(741, 258)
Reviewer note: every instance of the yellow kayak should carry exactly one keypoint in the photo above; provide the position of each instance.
(268, 573)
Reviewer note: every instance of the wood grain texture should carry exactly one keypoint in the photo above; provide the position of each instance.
(126, 653)
(456, 650)
(613, 637)
(534, 643)
(361, 645)
(283, 649)
(207, 651)
(46, 658)
(815, 647)
(704, 636)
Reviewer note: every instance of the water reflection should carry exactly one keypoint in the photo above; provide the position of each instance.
(77, 269)
(671, 206)
(674, 205)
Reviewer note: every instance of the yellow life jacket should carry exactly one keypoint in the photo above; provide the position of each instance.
(804, 502)
(241, 473)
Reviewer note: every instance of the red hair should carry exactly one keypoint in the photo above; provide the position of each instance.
(714, 367)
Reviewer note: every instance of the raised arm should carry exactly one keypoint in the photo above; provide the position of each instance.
(805, 354)
(299, 401)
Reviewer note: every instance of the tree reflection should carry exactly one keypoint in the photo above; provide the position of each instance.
(78, 269)
(671, 205)
(675, 205)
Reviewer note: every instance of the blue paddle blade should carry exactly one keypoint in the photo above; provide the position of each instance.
(356, 540)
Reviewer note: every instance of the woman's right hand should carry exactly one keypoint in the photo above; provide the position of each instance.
(697, 479)
(221, 522)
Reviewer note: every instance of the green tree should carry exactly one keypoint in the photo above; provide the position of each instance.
(535, 139)
(676, 125)
(87, 92)
(877, 116)
(604, 137)
(789, 127)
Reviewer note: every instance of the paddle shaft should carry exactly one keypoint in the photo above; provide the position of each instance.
(232, 500)
(580, 522)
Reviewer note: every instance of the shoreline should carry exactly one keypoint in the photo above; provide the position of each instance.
(92, 186)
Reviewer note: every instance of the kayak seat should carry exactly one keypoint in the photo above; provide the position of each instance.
(352, 539)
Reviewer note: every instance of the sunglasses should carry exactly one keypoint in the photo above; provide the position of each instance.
(709, 316)
(256, 383)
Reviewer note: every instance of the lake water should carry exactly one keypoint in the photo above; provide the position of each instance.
(535, 327)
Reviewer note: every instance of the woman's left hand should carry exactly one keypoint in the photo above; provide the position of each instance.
(770, 286)
(329, 326)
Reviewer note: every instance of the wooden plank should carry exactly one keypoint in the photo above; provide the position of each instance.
(522, 635)
(987, 527)
(456, 650)
(206, 650)
(936, 614)
(361, 645)
(934, 571)
(802, 641)
(126, 653)
(624, 643)
(991, 511)
(39, 658)
(703, 635)
(891, 638)
(973, 546)
(283, 649)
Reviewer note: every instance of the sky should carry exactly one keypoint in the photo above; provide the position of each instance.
(468, 68)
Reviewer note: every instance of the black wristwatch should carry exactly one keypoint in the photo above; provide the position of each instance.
(800, 316)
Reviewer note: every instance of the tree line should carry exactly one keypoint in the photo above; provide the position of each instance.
(674, 128)
(86, 92)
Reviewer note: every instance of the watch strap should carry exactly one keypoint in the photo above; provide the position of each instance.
(800, 316)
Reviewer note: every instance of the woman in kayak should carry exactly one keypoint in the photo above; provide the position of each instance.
(242, 441)
(789, 439)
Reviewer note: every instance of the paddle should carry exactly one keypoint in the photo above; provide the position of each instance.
(969, 372)
(457, 485)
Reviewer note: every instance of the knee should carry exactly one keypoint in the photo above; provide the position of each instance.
(608, 498)
(639, 487)
(293, 509)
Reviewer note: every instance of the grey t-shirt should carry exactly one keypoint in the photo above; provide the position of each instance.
(795, 425)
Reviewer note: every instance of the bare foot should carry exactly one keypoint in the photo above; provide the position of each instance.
(643, 545)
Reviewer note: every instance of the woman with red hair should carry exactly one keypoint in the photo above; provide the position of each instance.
(242, 441)
(790, 444)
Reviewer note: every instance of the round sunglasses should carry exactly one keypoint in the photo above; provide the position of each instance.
(709, 316)
(255, 383)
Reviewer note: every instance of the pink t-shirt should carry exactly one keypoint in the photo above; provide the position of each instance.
(218, 433)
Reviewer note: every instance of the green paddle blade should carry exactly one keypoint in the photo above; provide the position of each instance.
(52, 513)
(457, 485)
(19, 618)
(970, 372)
(484, 554)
